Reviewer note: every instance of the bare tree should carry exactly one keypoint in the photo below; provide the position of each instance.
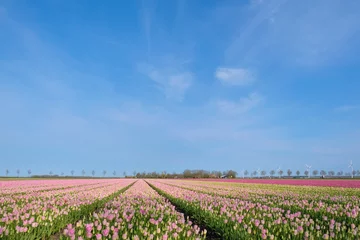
(281, 172)
(315, 172)
(18, 172)
(331, 173)
(93, 173)
(217, 174)
(254, 173)
(104, 173)
(228, 173)
(163, 174)
(298, 173)
(322, 172)
(83, 172)
(51, 173)
(306, 173)
(29, 172)
(62, 173)
(289, 172)
(124, 173)
(246, 173)
(72, 172)
(7, 172)
(263, 173)
(114, 173)
(272, 173)
(340, 173)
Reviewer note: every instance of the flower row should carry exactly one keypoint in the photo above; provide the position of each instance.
(235, 218)
(41, 214)
(138, 213)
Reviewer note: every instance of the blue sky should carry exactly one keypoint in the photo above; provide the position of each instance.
(170, 85)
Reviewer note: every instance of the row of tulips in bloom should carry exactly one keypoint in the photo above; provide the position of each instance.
(343, 183)
(138, 213)
(317, 203)
(40, 214)
(343, 210)
(25, 186)
(234, 213)
(9, 202)
(116, 209)
(268, 189)
(340, 208)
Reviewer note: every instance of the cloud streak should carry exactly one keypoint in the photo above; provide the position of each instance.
(244, 105)
(303, 33)
(172, 82)
(235, 76)
(191, 99)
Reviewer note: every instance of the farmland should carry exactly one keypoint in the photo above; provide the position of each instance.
(345, 183)
(179, 209)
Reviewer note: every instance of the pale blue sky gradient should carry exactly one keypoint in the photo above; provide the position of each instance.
(169, 85)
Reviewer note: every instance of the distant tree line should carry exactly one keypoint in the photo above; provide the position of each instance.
(164, 174)
(186, 174)
(202, 174)
(289, 174)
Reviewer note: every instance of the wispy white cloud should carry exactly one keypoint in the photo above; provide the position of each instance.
(173, 83)
(235, 76)
(306, 33)
(245, 37)
(94, 115)
(244, 105)
(347, 108)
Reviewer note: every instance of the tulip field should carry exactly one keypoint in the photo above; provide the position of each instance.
(176, 209)
(345, 183)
